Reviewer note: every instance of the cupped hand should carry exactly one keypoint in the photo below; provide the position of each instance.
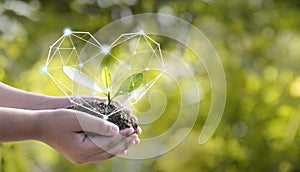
(66, 131)
(82, 99)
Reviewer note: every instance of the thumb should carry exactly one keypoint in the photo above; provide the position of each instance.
(90, 123)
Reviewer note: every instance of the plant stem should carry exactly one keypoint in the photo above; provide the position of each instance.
(108, 98)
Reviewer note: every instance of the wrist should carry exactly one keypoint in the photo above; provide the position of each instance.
(35, 129)
(17, 124)
(41, 121)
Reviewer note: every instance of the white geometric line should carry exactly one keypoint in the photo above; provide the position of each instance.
(152, 82)
(123, 35)
(62, 37)
(118, 60)
(57, 84)
(50, 58)
(99, 46)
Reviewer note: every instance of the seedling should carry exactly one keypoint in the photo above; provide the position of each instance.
(64, 53)
(121, 117)
(129, 85)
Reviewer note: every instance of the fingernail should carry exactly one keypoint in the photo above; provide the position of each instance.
(137, 141)
(139, 130)
(114, 129)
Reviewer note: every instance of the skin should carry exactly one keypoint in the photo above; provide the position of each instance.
(28, 116)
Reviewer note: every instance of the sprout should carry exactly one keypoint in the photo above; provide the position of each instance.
(128, 86)
(106, 79)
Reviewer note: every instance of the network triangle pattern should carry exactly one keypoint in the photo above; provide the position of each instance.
(75, 61)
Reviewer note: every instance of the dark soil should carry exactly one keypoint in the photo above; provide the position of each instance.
(121, 118)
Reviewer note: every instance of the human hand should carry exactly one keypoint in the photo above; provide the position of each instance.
(84, 99)
(26, 116)
(65, 130)
(65, 102)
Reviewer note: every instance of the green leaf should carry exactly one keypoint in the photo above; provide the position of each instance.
(80, 78)
(130, 84)
(106, 77)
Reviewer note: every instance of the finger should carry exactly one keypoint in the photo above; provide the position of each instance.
(127, 132)
(118, 141)
(129, 111)
(134, 118)
(107, 142)
(104, 156)
(101, 156)
(120, 149)
(96, 125)
(124, 145)
(138, 130)
(137, 141)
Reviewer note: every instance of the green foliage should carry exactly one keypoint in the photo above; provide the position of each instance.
(130, 84)
(258, 42)
(106, 77)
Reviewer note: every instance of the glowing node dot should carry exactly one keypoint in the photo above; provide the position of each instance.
(74, 48)
(105, 117)
(57, 48)
(80, 65)
(129, 67)
(147, 85)
(44, 69)
(135, 94)
(134, 52)
(141, 32)
(147, 69)
(67, 32)
(105, 49)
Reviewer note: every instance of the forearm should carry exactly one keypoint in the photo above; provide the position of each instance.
(15, 98)
(17, 124)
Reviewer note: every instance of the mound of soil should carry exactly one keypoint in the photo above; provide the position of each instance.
(117, 114)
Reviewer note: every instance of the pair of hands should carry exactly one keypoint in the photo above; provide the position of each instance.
(25, 116)
(65, 130)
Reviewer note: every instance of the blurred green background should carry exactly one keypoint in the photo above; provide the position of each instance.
(259, 45)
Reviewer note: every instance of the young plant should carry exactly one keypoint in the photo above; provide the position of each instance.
(106, 80)
(129, 85)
